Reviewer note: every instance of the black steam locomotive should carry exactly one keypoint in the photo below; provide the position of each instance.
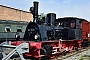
(51, 36)
(50, 28)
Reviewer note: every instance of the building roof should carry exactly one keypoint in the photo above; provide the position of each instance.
(14, 8)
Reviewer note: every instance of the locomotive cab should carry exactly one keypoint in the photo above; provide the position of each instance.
(72, 27)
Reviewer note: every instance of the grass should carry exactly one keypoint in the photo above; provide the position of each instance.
(83, 57)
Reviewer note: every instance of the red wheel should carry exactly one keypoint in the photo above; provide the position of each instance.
(52, 56)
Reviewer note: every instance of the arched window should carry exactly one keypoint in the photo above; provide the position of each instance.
(19, 28)
(7, 28)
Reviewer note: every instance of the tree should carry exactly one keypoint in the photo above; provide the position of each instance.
(41, 16)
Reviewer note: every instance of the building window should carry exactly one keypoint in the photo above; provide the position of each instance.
(19, 28)
(7, 28)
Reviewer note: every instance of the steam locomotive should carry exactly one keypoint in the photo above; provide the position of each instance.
(51, 36)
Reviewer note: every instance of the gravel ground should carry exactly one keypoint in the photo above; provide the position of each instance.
(79, 55)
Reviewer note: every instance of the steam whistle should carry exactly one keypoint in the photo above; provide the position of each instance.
(34, 11)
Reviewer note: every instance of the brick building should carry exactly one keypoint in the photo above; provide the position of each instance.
(8, 13)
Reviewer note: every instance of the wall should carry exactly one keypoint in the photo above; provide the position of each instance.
(8, 13)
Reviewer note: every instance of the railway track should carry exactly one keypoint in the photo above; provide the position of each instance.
(64, 57)
(73, 55)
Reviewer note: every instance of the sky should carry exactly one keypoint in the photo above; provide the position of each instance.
(62, 8)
